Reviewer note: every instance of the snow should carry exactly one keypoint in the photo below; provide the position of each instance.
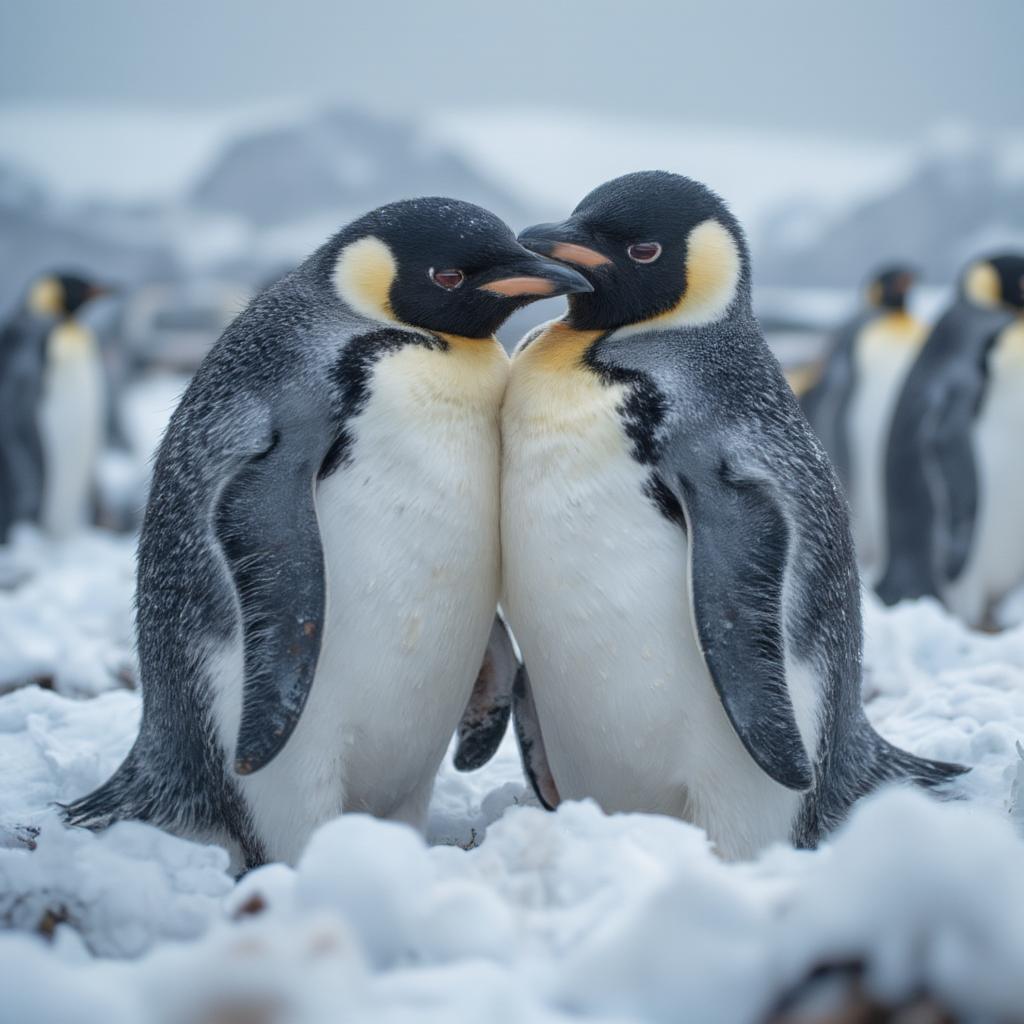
(504, 911)
(69, 621)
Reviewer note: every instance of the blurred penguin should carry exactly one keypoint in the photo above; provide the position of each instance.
(954, 486)
(52, 408)
(851, 405)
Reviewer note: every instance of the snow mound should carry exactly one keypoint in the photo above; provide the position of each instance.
(66, 612)
(557, 917)
(505, 911)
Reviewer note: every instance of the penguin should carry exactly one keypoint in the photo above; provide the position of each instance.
(318, 568)
(851, 405)
(953, 484)
(678, 569)
(52, 410)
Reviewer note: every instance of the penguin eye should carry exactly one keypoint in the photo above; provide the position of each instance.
(447, 279)
(644, 252)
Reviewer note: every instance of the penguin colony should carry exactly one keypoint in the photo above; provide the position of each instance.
(51, 408)
(358, 476)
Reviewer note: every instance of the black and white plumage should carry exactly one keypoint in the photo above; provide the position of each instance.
(51, 407)
(851, 405)
(678, 567)
(319, 563)
(954, 489)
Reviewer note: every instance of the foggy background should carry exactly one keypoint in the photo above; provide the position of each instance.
(194, 151)
(872, 69)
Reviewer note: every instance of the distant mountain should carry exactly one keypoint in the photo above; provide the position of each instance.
(956, 203)
(339, 162)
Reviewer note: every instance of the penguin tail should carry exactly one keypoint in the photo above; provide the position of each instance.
(115, 800)
(892, 764)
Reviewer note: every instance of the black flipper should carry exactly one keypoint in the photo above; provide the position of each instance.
(266, 524)
(739, 541)
(953, 478)
(485, 719)
(531, 743)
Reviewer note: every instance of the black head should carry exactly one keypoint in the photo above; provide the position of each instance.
(61, 295)
(442, 265)
(890, 286)
(996, 282)
(654, 245)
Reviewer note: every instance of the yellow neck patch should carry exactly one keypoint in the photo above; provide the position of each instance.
(363, 275)
(552, 393)
(982, 285)
(46, 297)
(903, 329)
(558, 349)
(713, 267)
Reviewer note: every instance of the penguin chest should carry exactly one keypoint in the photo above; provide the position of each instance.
(595, 588)
(71, 417)
(884, 354)
(996, 560)
(410, 536)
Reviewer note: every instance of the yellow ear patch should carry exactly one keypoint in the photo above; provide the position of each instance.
(363, 275)
(713, 267)
(712, 273)
(982, 285)
(46, 297)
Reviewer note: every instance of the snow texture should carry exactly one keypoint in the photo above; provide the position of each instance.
(505, 912)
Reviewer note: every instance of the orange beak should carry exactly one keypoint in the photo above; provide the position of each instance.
(569, 252)
(519, 286)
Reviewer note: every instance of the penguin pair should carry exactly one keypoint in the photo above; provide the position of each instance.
(319, 564)
(851, 405)
(52, 409)
(954, 487)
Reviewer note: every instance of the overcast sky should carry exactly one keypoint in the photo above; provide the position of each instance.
(863, 67)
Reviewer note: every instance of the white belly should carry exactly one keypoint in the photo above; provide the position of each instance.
(884, 356)
(71, 419)
(595, 589)
(411, 549)
(995, 564)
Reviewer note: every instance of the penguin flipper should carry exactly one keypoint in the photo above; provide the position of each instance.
(739, 543)
(267, 527)
(485, 719)
(531, 743)
(956, 473)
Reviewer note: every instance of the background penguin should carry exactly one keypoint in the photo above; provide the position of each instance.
(678, 568)
(955, 489)
(319, 562)
(52, 409)
(851, 405)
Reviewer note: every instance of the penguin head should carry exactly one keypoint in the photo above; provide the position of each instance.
(890, 286)
(61, 295)
(659, 249)
(441, 265)
(996, 282)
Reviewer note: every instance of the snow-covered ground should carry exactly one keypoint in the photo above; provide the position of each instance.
(506, 913)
